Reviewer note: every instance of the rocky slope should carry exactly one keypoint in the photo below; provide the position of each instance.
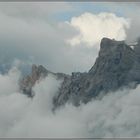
(116, 66)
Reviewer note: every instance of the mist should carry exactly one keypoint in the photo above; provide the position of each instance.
(115, 115)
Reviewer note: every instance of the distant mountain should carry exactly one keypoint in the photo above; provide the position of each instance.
(117, 66)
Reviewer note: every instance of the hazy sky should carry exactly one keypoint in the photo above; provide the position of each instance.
(62, 36)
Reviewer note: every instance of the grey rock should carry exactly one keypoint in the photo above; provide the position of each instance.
(117, 66)
(37, 73)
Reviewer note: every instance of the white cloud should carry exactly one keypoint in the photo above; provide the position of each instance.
(93, 27)
(41, 42)
(9, 82)
(33, 37)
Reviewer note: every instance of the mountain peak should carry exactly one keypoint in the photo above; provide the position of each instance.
(29, 81)
(110, 42)
(39, 70)
(108, 46)
(112, 54)
(37, 73)
(106, 43)
(116, 66)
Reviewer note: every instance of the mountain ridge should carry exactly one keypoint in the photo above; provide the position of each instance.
(117, 66)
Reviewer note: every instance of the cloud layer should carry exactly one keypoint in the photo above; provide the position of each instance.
(116, 115)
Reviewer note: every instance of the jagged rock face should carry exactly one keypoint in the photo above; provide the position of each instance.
(37, 73)
(116, 66)
(29, 81)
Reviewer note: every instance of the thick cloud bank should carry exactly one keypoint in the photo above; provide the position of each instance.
(32, 37)
(116, 115)
(93, 27)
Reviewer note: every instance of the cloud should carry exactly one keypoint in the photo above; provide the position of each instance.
(116, 115)
(9, 82)
(41, 42)
(133, 33)
(34, 36)
(33, 10)
(129, 11)
(93, 27)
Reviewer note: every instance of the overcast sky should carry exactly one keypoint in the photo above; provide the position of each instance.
(63, 36)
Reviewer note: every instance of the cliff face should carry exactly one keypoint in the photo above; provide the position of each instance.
(116, 66)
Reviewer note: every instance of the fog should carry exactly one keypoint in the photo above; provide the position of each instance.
(116, 115)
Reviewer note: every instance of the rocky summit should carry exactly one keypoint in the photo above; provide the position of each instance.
(37, 73)
(117, 66)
